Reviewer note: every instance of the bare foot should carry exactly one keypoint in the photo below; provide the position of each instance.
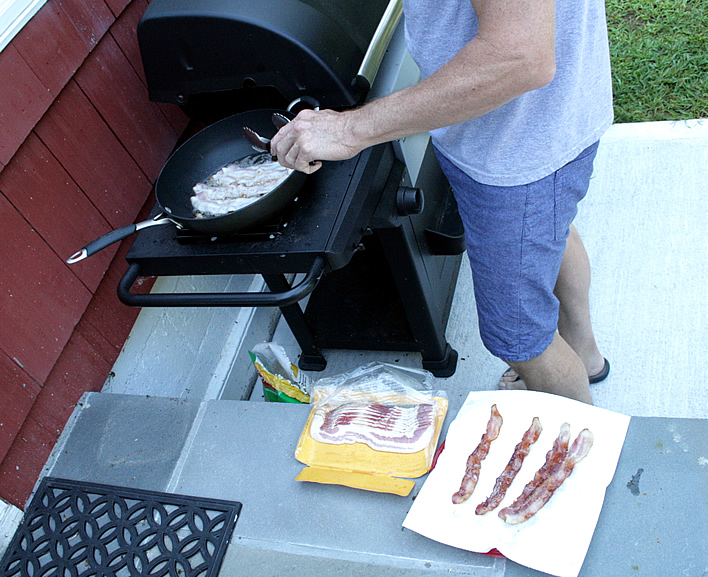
(511, 381)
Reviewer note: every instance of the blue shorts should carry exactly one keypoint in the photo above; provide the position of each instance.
(515, 242)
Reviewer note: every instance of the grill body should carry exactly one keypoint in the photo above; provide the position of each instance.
(216, 57)
(380, 241)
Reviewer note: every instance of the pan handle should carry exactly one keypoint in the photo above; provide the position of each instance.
(116, 235)
(243, 299)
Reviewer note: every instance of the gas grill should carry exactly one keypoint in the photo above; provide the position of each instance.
(374, 242)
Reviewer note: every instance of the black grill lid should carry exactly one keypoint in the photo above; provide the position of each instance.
(293, 48)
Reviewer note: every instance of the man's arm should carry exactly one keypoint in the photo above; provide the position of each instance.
(513, 53)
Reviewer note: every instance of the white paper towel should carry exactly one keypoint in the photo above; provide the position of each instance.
(556, 539)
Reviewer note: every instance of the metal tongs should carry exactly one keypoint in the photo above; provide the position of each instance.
(260, 143)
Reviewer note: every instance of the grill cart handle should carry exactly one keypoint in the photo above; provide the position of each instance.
(242, 299)
(378, 45)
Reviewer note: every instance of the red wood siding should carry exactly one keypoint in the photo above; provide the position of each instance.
(54, 56)
(40, 298)
(89, 150)
(80, 149)
(44, 193)
(23, 100)
(91, 19)
(112, 85)
(19, 392)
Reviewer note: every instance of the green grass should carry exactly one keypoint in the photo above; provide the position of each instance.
(659, 51)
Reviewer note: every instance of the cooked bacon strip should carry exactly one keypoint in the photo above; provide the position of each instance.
(554, 459)
(512, 468)
(578, 451)
(474, 461)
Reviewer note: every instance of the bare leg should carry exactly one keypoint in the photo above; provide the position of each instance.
(574, 325)
(572, 290)
(558, 370)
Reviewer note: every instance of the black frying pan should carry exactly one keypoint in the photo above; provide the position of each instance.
(196, 160)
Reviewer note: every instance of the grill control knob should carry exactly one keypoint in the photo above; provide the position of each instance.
(409, 200)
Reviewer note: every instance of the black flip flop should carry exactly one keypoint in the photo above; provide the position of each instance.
(602, 375)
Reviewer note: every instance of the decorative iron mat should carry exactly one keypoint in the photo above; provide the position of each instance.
(75, 529)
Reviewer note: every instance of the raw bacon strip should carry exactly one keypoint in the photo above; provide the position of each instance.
(381, 427)
(237, 185)
(512, 468)
(554, 459)
(474, 461)
(578, 451)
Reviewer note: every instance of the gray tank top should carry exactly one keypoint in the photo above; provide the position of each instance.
(535, 134)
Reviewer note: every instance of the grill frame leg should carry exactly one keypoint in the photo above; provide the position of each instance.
(423, 308)
(311, 358)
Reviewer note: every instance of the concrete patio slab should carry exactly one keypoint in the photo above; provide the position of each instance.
(643, 224)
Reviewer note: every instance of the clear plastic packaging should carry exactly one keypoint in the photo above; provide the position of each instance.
(372, 425)
(383, 382)
(386, 407)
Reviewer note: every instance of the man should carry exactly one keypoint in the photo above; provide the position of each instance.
(516, 94)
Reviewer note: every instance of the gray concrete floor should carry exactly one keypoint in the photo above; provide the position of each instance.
(643, 224)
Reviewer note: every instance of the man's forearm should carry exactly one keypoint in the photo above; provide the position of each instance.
(512, 53)
(492, 69)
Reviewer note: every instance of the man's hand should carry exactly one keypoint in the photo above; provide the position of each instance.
(313, 136)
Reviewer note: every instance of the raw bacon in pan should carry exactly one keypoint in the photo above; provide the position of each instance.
(540, 496)
(382, 427)
(474, 461)
(512, 468)
(237, 185)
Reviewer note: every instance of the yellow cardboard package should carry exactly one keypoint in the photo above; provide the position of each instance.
(374, 428)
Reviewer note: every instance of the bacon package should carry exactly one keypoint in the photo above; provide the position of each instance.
(373, 428)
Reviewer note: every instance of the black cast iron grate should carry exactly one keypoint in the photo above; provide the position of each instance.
(75, 529)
